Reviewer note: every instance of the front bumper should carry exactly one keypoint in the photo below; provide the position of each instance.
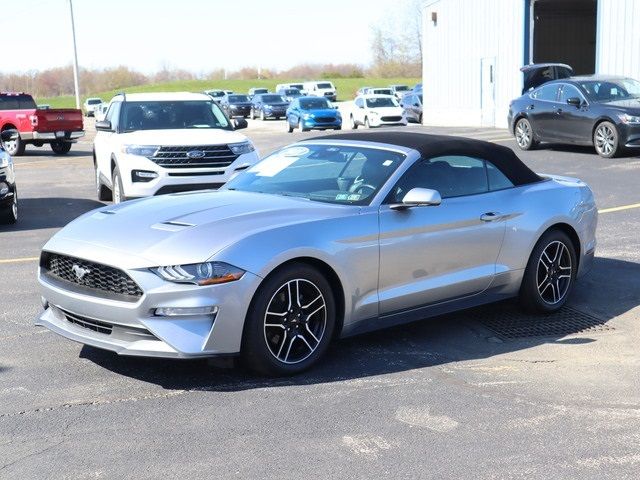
(378, 122)
(174, 179)
(312, 123)
(629, 135)
(239, 111)
(134, 330)
(270, 113)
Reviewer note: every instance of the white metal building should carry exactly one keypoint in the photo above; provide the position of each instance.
(473, 50)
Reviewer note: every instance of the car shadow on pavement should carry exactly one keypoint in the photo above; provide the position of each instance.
(581, 149)
(451, 338)
(45, 152)
(49, 212)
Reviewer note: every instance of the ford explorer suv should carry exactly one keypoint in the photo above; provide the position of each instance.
(58, 127)
(323, 89)
(157, 143)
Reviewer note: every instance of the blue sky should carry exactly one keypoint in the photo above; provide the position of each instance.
(198, 35)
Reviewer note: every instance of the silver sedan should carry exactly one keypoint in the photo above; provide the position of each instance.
(325, 238)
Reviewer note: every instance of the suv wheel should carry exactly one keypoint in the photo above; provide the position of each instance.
(118, 191)
(102, 191)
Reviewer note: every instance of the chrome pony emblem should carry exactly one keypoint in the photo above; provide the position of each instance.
(79, 271)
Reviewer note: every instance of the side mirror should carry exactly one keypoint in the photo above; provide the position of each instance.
(575, 101)
(419, 197)
(104, 126)
(240, 123)
(10, 134)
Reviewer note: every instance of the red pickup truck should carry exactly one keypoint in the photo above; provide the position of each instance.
(59, 127)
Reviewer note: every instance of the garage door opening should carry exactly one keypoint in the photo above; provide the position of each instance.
(564, 31)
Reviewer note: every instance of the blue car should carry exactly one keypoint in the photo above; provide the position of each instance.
(307, 113)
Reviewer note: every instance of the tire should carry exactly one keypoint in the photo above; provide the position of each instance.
(102, 191)
(289, 127)
(262, 117)
(9, 215)
(60, 148)
(420, 119)
(606, 140)
(118, 191)
(15, 148)
(301, 127)
(253, 114)
(366, 122)
(523, 132)
(545, 286)
(354, 125)
(289, 344)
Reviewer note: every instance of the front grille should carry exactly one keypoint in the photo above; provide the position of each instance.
(391, 119)
(98, 279)
(88, 323)
(187, 188)
(328, 94)
(215, 156)
(325, 119)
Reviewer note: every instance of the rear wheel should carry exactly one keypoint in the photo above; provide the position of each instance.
(15, 148)
(60, 148)
(550, 273)
(524, 135)
(10, 214)
(290, 321)
(118, 191)
(606, 140)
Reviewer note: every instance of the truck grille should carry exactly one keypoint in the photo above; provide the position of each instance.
(212, 156)
(391, 119)
(82, 275)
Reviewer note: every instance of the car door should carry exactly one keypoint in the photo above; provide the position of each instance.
(573, 122)
(105, 142)
(541, 110)
(438, 253)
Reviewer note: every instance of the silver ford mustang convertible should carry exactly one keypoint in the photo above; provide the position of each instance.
(323, 239)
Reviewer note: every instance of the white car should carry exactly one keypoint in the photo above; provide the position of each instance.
(399, 90)
(376, 110)
(378, 91)
(283, 86)
(90, 105)
(324, 89)
(156, 143)
(100, 111)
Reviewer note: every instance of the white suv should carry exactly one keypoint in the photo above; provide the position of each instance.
(376, 111)
(324, 89)
(156, 143)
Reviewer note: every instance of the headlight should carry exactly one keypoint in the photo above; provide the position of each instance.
(241, 148)
(208, 273)
(267, 107)
(629, 119)
(142, 150)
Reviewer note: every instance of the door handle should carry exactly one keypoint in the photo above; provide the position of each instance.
(559, 111)
(490, 216)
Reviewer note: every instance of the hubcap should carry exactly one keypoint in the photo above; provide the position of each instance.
(10, 146)
(523, 134)
(605, 139)
(116, 191)
(14, 206)
(295, 321)
(554, 272)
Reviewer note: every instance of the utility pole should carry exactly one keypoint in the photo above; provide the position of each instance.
(75, 57)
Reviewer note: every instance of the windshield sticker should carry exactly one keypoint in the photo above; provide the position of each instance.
(342, 196)
(273, 165)
(386, 163)
(294, 152)
(354, 197)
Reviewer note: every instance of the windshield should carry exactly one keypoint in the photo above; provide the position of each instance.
(292, 92)
(325, 173)
(272, 98)
(257, 91)
(314, 103)
(324, 85)
(163, 115)
(382, 91)
(611, 90)
(94, 101)
(381, 102)
(215, 93)
(401, 88)
(238, 98)
(299, 86)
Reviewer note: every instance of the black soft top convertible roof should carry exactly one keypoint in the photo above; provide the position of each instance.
(431, 146)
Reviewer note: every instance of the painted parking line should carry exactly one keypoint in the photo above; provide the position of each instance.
(619, 209)
(19, 260)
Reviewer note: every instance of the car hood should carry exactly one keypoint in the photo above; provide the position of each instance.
(383, 111)
(322, 112)
(182, 228)
(186, 136)
(631, 106)
(240, 104)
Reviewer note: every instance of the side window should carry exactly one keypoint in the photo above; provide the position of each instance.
(497, 179)
(569, 91)
(451, 175)
(547, 93)
(113, 114)
(359, 103)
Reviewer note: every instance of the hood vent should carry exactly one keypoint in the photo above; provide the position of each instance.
(172, 226)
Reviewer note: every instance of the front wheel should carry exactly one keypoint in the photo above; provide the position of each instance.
(9, 215)
(606, 140)
(366, 122)
(550, 273)
(253, 114)
(118, 191)
(289, 127)
(15, 148)
(290, 321)
(262, 117)
(354, 125)
(60, 148)
(524, 135)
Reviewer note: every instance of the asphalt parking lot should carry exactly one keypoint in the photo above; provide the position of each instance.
(486, 394)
